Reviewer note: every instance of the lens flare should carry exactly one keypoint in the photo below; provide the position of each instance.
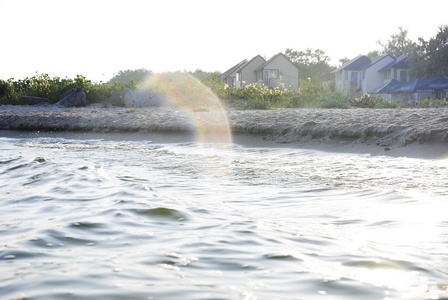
(204, 108)
(207, 114)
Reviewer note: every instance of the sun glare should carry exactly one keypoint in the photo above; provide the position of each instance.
(204, 108)
(207, 114)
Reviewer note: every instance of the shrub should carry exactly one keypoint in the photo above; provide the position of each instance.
(380, 102)
(8, 94)
(42, 85)
(310, 93)
(432, 103)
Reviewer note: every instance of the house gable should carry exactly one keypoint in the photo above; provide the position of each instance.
(278, 70)
(348, 76)
(397, 69)
(378, 60)
(356, 64)
(371, 75)
(245, 74)
(229, 76)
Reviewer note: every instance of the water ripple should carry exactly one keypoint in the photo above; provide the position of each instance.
(131, 220)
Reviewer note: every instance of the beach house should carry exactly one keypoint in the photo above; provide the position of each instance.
(278, 70)
(368, 76)
(229, 76)
(397, 69)
(348, 76)
(275, 72)
(246, 74)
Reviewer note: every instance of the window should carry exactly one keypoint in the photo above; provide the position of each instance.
(345, 75)
(269, 74)
(403, 75)
(354, 80)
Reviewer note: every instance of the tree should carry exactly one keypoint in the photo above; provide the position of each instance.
(202, 75)
(373, 54)
(311, 64)
(398, 44)
(126, 76)
(430, 59)
(344, 60)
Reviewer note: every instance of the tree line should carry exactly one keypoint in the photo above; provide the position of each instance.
(426, 58)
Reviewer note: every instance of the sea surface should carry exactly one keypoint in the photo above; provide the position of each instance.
(127, 218)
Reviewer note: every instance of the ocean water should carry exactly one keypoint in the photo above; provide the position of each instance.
(99, 218)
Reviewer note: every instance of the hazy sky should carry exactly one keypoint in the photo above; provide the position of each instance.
(97, 38)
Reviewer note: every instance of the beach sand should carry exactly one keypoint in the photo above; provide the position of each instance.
(421, 133)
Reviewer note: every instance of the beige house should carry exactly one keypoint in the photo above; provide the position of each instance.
(277, 71)
(246, 74)
(229, 76)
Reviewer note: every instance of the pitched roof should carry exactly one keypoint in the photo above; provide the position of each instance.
(248, 62)
(271, 59)
(411, 86)
(386, 87)
(356, 64)
(376, 59)
(436, 85)
(232, 69)
(398, 63)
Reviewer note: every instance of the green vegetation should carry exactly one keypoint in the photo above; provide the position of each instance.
(316, 88)
(310, 94)
(313, 64)
(42, 85)
(430, 58)
(127, 76)
(432, 103)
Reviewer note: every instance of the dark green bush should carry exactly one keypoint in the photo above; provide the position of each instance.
(432, 103)
(42, 85)
(310, 93)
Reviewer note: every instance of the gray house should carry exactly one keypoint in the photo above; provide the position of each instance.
(277, 71)
(229, 76)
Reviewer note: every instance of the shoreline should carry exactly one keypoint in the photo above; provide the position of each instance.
(410, 132)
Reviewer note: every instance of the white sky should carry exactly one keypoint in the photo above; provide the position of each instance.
(98, 38)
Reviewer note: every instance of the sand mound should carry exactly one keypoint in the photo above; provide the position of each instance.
(385, 128)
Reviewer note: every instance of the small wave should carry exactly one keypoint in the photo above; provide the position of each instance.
(161, 213)
(119, 219)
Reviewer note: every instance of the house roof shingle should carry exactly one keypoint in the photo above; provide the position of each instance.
(232, 69)
(438, 84)
(398, 63)
(247, 62)
(356, 64)
(411, 86)
(377, 59)
(271, 59)
(386, 87)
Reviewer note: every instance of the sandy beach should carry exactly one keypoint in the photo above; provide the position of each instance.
(395, 132)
